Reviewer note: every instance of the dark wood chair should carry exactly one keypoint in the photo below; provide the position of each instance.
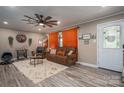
(39, 54)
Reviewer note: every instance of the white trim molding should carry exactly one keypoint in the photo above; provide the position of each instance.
(87, 64)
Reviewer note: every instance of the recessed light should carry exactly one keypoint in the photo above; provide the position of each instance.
(58, 22)
(5, 22)
(104, 6)
(39, 29)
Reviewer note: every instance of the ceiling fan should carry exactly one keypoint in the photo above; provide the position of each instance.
(40, 20)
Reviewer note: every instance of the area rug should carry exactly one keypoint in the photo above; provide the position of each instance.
(40, 71)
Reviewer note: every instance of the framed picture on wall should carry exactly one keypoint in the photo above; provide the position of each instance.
(86, 36)
(80, 37)
(21, 38)
(86, 42)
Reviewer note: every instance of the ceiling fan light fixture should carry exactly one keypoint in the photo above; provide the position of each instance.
(41, 24)
(39, 29)
(5, 22)
(58, 22)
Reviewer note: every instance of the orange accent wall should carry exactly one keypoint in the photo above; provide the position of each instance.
(53, 40)
(70, 38)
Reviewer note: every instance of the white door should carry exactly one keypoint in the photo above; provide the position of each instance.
(110, 52)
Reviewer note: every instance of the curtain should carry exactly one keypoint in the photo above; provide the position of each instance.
(53, 40)
(70, 38)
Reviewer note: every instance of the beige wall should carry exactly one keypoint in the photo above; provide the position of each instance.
(88, 53)
(4, 43)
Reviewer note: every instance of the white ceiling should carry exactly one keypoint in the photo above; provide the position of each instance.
(67, 15)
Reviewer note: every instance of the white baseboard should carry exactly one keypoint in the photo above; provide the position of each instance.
(87, 64)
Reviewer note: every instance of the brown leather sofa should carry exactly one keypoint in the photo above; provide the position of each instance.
(67, 60)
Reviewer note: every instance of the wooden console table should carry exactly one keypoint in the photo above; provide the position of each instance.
(21, 53)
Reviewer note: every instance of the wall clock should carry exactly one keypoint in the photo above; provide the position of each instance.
(21, 38)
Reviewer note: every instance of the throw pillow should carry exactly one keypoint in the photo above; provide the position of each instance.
(61, 53)
(70, 52)
(53, 51)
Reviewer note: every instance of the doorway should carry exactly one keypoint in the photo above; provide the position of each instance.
(109, 45)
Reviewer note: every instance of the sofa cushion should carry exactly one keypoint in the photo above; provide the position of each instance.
(60, 53)
(58, 56)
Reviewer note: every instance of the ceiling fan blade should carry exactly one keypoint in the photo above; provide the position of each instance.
(24, 19)
(36, 25)
(38, 16)
(41, 16)
(29, 17)
(51, 21)
(30, 23)
(48, 18)
(49, 25)
(44, 26)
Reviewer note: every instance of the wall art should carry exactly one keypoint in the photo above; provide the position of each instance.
(10, 39)
(29, 41)
(21, 38)
(86, 36)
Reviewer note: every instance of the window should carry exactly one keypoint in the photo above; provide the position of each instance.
(111, 37)
(60, 39)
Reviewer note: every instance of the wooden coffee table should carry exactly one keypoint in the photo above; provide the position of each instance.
(35, 58)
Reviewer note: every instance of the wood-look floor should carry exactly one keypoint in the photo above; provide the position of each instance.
(74, 76)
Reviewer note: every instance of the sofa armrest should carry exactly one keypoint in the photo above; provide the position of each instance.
(72, 56)
(71, 59)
